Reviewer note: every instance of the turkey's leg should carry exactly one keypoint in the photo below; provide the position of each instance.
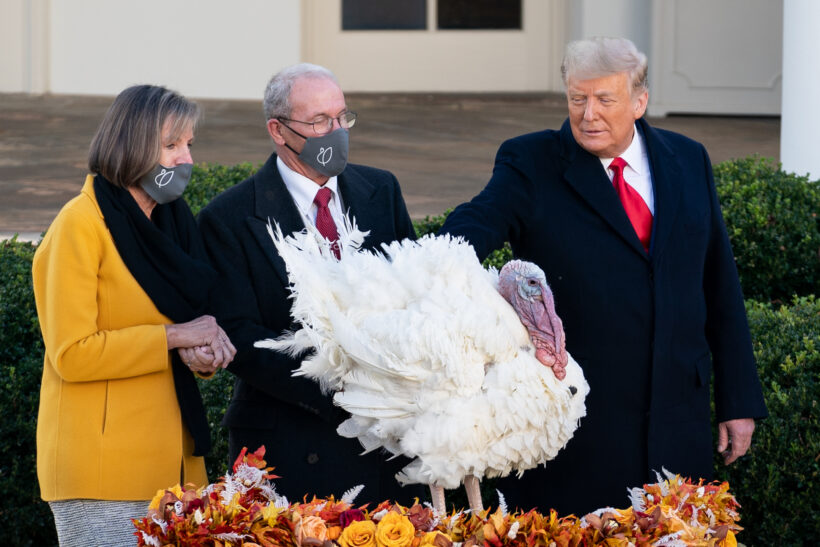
(473, 493)
(437, 493)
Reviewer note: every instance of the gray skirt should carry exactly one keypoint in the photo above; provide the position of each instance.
(89, 523)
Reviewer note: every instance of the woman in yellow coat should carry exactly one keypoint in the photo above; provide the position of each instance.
(122, 284)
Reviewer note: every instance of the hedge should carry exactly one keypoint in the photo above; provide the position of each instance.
(778, 483)
(27, 520)
(210, 179)
(773, 224)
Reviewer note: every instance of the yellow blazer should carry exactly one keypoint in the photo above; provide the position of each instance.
(109, 425)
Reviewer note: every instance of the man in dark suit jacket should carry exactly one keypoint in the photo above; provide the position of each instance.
(649, 318)
(308, 120)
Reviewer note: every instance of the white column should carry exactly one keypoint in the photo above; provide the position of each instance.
(12, 46)
(24, 39)
(800, 116)
(38, 59)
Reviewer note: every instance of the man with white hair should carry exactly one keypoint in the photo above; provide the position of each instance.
(624, 220)
(306, 181)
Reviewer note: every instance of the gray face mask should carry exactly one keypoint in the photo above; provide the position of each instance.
(326, 154)
(165, 184)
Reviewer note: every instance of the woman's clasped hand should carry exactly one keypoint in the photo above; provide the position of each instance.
(202, 344)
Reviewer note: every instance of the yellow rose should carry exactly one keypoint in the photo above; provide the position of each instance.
(155, 502)
(360, 533)
(730, 540)
(395, 530)
(313, 527)
(436, 539)
(270, 513)
(175, 490)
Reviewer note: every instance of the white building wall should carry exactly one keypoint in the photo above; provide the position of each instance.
(727, 63)
(433, 60)
(201, 48)
(12, 46)
(617, 18)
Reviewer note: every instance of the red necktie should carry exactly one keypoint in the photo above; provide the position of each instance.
(324, 221)
(634, 205)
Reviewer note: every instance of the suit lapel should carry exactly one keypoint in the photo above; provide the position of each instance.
(273, 203)
(357, 194)
(666, 184)
(586, 175)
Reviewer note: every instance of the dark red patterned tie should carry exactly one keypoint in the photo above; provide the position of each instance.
(324, 221)
(634, 205)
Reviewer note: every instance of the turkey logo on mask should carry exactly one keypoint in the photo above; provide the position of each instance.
(165, 184)
(325, 155)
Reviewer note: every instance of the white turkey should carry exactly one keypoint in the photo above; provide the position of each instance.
(424, 349)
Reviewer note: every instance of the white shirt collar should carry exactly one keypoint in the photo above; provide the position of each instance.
(303, 190)
(634, 155)
(637, 172)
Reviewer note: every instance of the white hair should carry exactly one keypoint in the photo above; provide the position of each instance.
(277, 93)
(602, 56)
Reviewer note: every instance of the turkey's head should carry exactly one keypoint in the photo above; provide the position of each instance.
(524, 286)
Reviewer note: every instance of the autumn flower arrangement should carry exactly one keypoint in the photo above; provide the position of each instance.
(243, 509)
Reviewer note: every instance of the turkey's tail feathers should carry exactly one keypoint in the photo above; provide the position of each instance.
(370, 405)
(350, 238)
(293, 343)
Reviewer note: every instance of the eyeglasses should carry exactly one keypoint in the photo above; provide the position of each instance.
(324, 124)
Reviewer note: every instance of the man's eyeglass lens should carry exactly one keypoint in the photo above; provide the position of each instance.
(325, 125)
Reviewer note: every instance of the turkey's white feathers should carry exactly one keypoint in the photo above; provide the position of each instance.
(350, 496)
(427, 357)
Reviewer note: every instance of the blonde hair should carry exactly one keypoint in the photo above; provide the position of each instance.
(601, 56)
(128, 141)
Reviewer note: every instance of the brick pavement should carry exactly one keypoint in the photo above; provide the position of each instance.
(440, 146)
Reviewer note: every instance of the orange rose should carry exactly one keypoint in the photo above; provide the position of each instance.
(312, 527)
(394, 530)
(334, 532)
(360, 533)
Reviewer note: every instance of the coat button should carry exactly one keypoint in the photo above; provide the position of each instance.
(313, 457)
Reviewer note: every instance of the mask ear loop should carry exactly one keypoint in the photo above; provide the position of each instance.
(293, 131)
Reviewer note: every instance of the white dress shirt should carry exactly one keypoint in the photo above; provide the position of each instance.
(303, 191)
(636, 173)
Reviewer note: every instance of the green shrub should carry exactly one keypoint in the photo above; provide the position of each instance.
(778, 483)
(216, 394)
(28, 519)
(210, 179)
(431, 225)
(773, 225)
(20, 335)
